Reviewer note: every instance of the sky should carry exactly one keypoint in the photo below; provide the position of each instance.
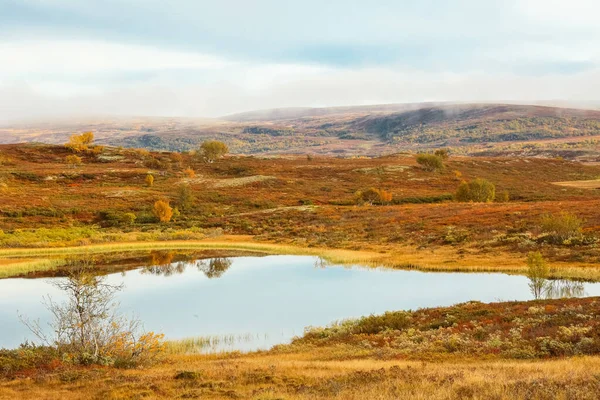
(198, 58)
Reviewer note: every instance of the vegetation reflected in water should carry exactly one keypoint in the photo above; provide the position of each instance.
(161, 263)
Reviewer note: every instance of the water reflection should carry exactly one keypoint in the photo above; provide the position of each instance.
(543, 288)
(161, 263)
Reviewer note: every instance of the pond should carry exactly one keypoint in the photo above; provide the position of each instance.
(249, 303)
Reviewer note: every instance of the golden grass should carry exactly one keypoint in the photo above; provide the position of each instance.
(590, 184)
(300, 376)
(441, 259)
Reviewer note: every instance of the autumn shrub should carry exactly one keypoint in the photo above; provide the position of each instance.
(73, 160)
(444, 154)
(149, 180)
(430, 162)
(190, 173)
(373, 196)
(212, 150)
(561, 227)
(162, 211)
(80, 143)
(478, 190)
(537, 329)
(116, 218)
(26, 358)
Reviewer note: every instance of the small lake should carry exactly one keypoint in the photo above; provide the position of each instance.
(258, 302)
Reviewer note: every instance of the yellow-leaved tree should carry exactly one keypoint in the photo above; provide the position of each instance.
(162, 210)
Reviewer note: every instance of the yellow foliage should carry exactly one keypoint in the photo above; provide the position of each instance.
(73, 160)
(162, 210)
(80, 143)
(149, 180)
(189, 172)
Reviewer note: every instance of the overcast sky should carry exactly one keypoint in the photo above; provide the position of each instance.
(209, 58)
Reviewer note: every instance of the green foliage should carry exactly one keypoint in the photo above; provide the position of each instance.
(444, 154)
(478, 190)
(212, 150)
(185, 197)
(27, 357)
(536, 266)
(116, 218)
(430, 162)
(561, 227)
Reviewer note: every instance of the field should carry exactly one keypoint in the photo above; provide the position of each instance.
(302, 203)
(53, 211)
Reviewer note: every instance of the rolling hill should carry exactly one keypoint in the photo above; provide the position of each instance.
(369, 130)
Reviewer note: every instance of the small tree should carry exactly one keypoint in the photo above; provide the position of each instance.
(537, 272)
(88, 329)
(73, 160)
(149, 180)
(162, 211)
(478, 190)
(212, 150)
(430, 162)
(185, 197)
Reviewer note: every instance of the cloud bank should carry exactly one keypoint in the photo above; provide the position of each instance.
(62, 58)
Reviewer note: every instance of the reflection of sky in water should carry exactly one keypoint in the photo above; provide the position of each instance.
(273, 298)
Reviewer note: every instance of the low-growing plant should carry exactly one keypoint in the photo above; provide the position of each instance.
(561, 227)
(430, 162)
(478, 190)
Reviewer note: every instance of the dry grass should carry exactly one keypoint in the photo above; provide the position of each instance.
(297, 376)
(593, 184)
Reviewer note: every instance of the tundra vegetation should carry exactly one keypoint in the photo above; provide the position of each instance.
(392, 209)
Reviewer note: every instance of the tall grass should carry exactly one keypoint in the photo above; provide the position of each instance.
(209, 344)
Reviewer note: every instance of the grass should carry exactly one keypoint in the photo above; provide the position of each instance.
(207, 344)
(438, 260)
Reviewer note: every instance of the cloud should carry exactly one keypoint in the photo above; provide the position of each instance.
(184, 57)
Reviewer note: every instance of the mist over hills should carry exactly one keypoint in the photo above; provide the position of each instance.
(369, 130)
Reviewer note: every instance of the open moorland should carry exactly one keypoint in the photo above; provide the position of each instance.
(446, 212)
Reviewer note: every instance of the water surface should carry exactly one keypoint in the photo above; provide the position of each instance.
(262, 301)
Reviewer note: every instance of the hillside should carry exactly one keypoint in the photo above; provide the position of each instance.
(493, 129)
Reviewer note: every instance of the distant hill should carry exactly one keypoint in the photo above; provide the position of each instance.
(370, 130)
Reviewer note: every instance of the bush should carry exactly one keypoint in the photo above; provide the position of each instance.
(162, 211)
(561, 227)
(373, 196)
(430, 162)
(80, 143)
(212, 150)
(478, 190)
(444, 154)
(73, 160)
(149, 180)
